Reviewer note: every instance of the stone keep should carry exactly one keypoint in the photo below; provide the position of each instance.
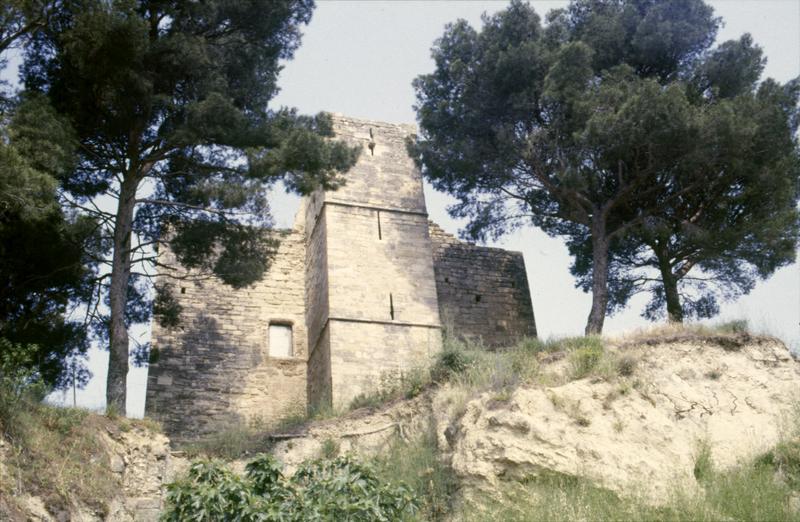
(359, 289)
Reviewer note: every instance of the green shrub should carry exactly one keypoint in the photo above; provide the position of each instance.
(417, 463)
(451, 361)
(784, 459)
(626, 365)
(393, 385)
(330, 448)
(54, 450)
(737, 326)
(748, 492)
(19, 386)
(339, 489)
(585, 355)
(703, 465)
(553, 497)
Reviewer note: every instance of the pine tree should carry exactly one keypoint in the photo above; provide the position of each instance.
(606, 126)
(45, 262)
(169, 103)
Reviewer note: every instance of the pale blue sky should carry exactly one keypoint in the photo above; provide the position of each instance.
(359, 58)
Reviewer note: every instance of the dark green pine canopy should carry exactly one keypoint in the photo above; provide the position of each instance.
(169, 103)
(617, 125)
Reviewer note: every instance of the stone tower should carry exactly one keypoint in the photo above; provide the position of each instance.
(359, 289)
(372, 302)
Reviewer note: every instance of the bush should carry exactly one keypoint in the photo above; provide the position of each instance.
(703, 465)
(339, 489)
(451, 361)
(418, 464)
(784, 459)
(19, 386)
(626, 365)
(585, 355)
(393, 385)
(738, 326)
(53, 450)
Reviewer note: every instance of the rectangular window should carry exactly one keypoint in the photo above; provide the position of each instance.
(280, 340)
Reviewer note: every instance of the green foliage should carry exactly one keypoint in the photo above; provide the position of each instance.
(344, 489)
(784, 459)
(737, 326)
(703, 463)
(555, 497)
(330, 448)
(54, 450)
(748, 492)
(618, 126)
(418, 464)
(339, 489)
(393, 385)
(46, 261)
(168, 102)
(232, 442)
(18, 384)
(626, 365)
(452, 360)
(585, 356)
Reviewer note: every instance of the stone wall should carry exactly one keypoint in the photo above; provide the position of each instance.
(363, 280)
(383, 313)
(483, 292)
(318, 385)
(215, 368)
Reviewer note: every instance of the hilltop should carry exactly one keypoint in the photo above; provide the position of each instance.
(671, 424)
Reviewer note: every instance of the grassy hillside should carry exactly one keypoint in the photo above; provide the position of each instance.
(60, 456)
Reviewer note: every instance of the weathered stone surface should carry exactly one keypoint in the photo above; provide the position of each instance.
(364, 282)
(483, 292)
(143, 466)
(215, 368)
(636, 436)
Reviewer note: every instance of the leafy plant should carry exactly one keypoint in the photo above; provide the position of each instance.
(338, 489)
(586, 358)
(452, 360)
(418, 464)
(626, 365)
(618, 126)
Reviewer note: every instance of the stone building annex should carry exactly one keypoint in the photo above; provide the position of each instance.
(360, 288)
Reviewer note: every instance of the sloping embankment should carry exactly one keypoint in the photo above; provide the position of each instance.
(631, 418)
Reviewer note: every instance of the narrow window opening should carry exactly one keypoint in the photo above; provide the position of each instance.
(280, 340)
(391, 307)
(380, 234)
(477, 298)
(371, 144)
(183, 289)
(446, 279)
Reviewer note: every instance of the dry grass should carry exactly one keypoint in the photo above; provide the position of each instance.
(59, 455)
(730, 334)
(758, 490)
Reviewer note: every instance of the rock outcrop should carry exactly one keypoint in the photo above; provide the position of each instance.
(141, 463)
(636, 429)
(640, 433)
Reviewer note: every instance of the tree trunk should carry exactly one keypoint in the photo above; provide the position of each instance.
(118, 296)
(670, 282)
(597, 315)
